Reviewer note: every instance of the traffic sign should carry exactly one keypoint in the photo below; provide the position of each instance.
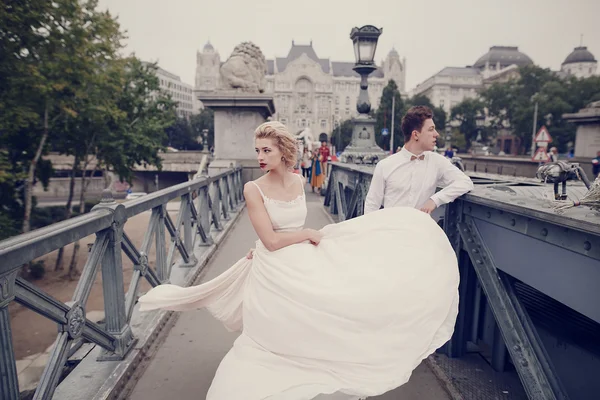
(385, 132)
(543, 136)
(540, 155)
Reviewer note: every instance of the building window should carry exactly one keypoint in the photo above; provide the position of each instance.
(303, 123)
(337, 101)
(283, 121)
(347, 100)
(347, 111)
(323, 124)
(337, 111)
(442, 103)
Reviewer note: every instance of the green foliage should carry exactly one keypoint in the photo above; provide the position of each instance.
(342, 135)
(36, 270)
(513, 102)
(65, 87)
(465, 113)
(187, 135)
(383, 116)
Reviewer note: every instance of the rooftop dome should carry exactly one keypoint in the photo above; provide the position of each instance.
(208, 48)
(505, 55)
(580, 54)
(393, 53)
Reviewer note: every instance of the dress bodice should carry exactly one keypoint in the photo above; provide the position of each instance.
(286, 216)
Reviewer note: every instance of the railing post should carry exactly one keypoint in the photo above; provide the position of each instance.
(188, 232)
(9, 383)
(162, 269)
(112, 283)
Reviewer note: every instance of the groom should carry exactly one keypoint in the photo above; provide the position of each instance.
(410, 177)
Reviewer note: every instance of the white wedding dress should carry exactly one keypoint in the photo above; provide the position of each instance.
(352, 317)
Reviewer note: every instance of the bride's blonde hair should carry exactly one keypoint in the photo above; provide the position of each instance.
(284, 140)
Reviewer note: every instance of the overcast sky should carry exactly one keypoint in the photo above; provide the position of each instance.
(430, 34)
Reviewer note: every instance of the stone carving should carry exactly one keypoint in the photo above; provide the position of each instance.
(75, 321)
(245, 69)
(142, 264)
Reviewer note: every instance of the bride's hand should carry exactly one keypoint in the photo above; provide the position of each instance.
(314, 236)
(250, 254)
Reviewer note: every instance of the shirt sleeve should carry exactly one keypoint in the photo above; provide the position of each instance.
(455, 183)
(376, 192)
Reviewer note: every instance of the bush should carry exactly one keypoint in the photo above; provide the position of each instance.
(37, 270)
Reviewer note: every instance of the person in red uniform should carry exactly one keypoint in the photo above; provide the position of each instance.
(324, 156)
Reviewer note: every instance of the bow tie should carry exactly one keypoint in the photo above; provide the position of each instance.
(421, 157)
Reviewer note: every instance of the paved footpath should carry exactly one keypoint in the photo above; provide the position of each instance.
(185, 364)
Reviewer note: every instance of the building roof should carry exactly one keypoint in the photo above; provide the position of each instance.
(580, 54)
(341, 69)
(505, 55)
(208, 48)
(458, 71)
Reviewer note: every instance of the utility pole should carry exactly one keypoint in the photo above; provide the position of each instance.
(535, 111)
(392, 130)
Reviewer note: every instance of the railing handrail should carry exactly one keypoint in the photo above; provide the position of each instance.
(575, 220)
(21, 249)
(205, 206)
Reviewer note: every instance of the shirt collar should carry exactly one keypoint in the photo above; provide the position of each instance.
(407, 154)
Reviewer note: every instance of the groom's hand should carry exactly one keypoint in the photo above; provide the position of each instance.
(428, 207)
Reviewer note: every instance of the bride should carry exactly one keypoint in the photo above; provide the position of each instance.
(342, 313)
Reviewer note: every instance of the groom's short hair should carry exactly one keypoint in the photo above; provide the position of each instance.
(414, 119)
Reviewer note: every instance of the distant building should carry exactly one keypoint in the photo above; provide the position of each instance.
(180, 92)
(310, 91)
(581, 63)
(452, 85)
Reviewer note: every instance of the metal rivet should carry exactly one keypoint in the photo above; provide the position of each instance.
(470, 240)
(479, 262)
(513, 222)
(489, 214)
(475, 251)
(587, 245)
(544, 232)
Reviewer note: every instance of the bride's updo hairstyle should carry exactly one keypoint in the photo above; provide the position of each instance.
(283, 139)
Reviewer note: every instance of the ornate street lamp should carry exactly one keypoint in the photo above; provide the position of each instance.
(362, 149)
(365, 43)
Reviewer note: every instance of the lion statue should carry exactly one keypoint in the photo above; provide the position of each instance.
(245, 69)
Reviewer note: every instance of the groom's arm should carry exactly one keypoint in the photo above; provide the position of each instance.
(376, 192)
(455, 183)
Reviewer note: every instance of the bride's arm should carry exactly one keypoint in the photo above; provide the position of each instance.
(262, 223)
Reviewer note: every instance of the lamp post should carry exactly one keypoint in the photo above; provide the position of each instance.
(448, 137)
(363, 149)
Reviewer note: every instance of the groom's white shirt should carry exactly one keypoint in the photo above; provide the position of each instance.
(399, 182)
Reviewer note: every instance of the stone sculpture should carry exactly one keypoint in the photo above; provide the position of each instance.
(244, 70)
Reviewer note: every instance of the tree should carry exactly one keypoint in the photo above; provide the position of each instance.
(342, 135)
(130, 135)
(466, 113)
(513, 103)
(383, 116)
(204, 120)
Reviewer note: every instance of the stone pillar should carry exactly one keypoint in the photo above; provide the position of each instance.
(587, 140)
(362, 148)
(237, 115)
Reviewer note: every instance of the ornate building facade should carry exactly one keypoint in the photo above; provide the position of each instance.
(310, 91)
(452, 85)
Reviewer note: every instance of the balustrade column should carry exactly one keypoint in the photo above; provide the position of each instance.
(112, 283)
(9, 383)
